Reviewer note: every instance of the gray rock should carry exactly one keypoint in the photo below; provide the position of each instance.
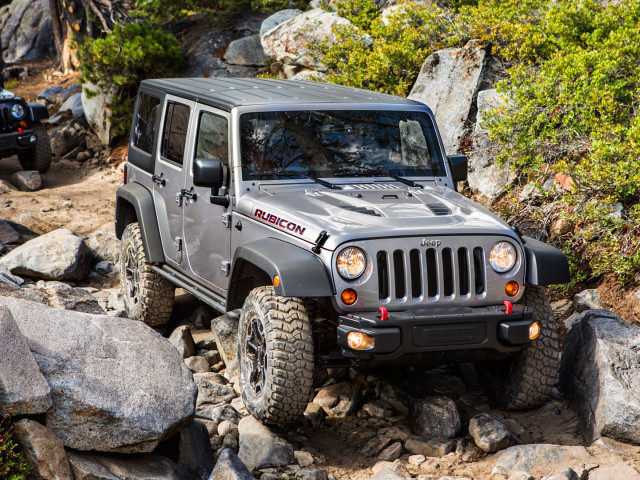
(26, 31)
(260, 447)
(392, 396)
(599, 367)
(8, 235)
(16, 365)
(319, 474)
(571, 320)
(73, 102)
(586, 300)
(27, 181)
(117, 386)
(87, 466)
(289, 42)
(434, 447)
(225, 334)
(338, 400)
(43, 449)
(618, 472)
(230, 467)
(10, 279)
(103, 268)
(96, 111)
(448, 83)
(374, 445)
(197, 364)
(523, 458)
(435, 417)
(314, 414)
(278, 18)
(391, 453)
(566, 474)
(104, 246)
(210, 392)
(308, 74)
(229, 428)
(231, 442)
(194, 450)
(57, 255)
(377, 409)
(303, 458)
(64, 94)
(211, 356)
(52, 294)
(396, 467)
(489, 434)
(246, 51)
(386, 474)
(219, 413)
(181, 339)
(50, 94)
(64, 141)
(520, 476)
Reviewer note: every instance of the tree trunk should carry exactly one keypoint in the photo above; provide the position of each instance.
(57, 27)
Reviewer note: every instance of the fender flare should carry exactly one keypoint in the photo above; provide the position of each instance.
(37, 112)
(134, 195)
(302, 273)
(546, 265)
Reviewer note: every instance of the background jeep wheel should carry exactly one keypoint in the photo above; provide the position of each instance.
(147, 296)
(526, 380)
(39, 157)
(275, 356)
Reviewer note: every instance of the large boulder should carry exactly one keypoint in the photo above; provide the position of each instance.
(246, 51)
(486, 177)
(289, 42)
(141, 467)
(104, 246)
(600, 373)
(53, 294)
(230, 467)
(44, 450)
(260, 447)
(448, 84)
(26, 31)
(23, 389)
(95, 103)
(526, 458)
(117, 385)
(57, 255)
(276, 19)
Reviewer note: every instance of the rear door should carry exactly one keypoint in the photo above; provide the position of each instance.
(207, 229)
(169, 176)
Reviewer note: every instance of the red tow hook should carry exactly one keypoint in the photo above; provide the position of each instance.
(384, 315)
(509, 306)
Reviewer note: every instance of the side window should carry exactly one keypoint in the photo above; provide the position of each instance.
(145, 126)
(213, 137)
(174, 132)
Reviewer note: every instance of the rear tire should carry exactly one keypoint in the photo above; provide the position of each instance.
(147, 296)
(275, 356)
(526, 379)
(39, 157)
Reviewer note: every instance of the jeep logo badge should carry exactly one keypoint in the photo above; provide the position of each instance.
(430, 243)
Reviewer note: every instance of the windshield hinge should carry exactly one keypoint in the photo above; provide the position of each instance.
(320, 241)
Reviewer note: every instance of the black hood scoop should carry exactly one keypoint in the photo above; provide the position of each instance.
(439, 208)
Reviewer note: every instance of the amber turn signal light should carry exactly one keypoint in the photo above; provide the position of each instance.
(276, 281)
(534, 331)
(360, 341)
(512, 289)
(349, 296)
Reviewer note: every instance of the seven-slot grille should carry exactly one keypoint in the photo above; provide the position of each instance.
(431, 274)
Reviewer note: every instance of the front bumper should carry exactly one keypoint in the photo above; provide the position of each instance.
(437, 330)
(16, 142)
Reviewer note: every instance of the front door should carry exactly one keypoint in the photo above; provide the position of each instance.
(168, 193)
(207, 227)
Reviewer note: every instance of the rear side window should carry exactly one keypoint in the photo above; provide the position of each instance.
(174, 132)
(145, 125)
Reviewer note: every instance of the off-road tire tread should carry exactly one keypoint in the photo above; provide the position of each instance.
(39, 157)
(157, 294)
(290, 359)
(534, 372)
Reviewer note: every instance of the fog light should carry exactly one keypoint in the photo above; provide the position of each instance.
(512, 289)
(276, 281)
(349, 296)
(534, 331)
(360, 341)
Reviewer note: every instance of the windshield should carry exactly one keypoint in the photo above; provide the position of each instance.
(338, 144)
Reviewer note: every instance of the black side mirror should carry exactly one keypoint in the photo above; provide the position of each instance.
(458, 164)
(209, 172)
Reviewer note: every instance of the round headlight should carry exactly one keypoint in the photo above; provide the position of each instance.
(17, 111)
(351, 263)
(502, 257)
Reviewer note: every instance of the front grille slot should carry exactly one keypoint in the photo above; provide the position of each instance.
(434, 274)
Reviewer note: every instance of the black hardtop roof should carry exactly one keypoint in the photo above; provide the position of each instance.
(227, 93)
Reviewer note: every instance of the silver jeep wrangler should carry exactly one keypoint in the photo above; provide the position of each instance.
(329, 216)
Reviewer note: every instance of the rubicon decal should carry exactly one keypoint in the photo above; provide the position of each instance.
(279, 221)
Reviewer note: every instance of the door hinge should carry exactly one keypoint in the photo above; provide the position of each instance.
(226, 219)
(226, 268)
(178, 244)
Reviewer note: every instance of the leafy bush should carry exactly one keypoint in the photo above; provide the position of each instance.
(13, 465)
(122, 59)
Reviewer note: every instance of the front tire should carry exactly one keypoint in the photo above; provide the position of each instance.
(147, 296)
(275, 356)
(526, 379)
(39, 157)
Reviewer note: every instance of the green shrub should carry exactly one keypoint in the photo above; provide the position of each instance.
(13, 465)
(122, 59)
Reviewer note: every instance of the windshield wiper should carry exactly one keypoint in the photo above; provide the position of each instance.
(366, 170)
(324, 183)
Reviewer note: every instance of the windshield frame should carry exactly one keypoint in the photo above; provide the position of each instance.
(244, 186)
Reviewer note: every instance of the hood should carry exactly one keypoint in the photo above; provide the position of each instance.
(372, 210)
